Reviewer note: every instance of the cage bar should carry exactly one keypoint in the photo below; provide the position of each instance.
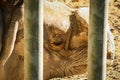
(31, 34)
(97, 40)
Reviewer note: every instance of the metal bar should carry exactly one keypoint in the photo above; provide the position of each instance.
(31, 34)
(97, 40)
(41, 3)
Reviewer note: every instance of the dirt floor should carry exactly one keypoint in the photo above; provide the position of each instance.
(113, 70)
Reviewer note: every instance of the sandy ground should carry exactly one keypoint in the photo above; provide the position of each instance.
(113, 71)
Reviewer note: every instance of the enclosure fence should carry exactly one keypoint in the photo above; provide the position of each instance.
(97, 39)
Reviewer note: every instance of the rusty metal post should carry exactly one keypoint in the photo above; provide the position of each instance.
(97, 40)
(33, 9)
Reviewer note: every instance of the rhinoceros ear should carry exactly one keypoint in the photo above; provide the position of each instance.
(79, 31)
(77, 23)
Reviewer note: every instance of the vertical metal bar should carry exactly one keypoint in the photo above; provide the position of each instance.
(31, 34)
(97, 40)
(41, 39)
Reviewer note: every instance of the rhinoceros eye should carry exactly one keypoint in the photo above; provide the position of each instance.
(57, 43)
(57, 40)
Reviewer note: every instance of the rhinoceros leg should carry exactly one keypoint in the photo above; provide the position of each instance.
(8, 46)
(14, 14)
(9, 39)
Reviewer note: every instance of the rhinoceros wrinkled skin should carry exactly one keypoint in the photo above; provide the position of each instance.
(66, 40)
(65, 50)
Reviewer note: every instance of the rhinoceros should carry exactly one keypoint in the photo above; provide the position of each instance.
(66, 40)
